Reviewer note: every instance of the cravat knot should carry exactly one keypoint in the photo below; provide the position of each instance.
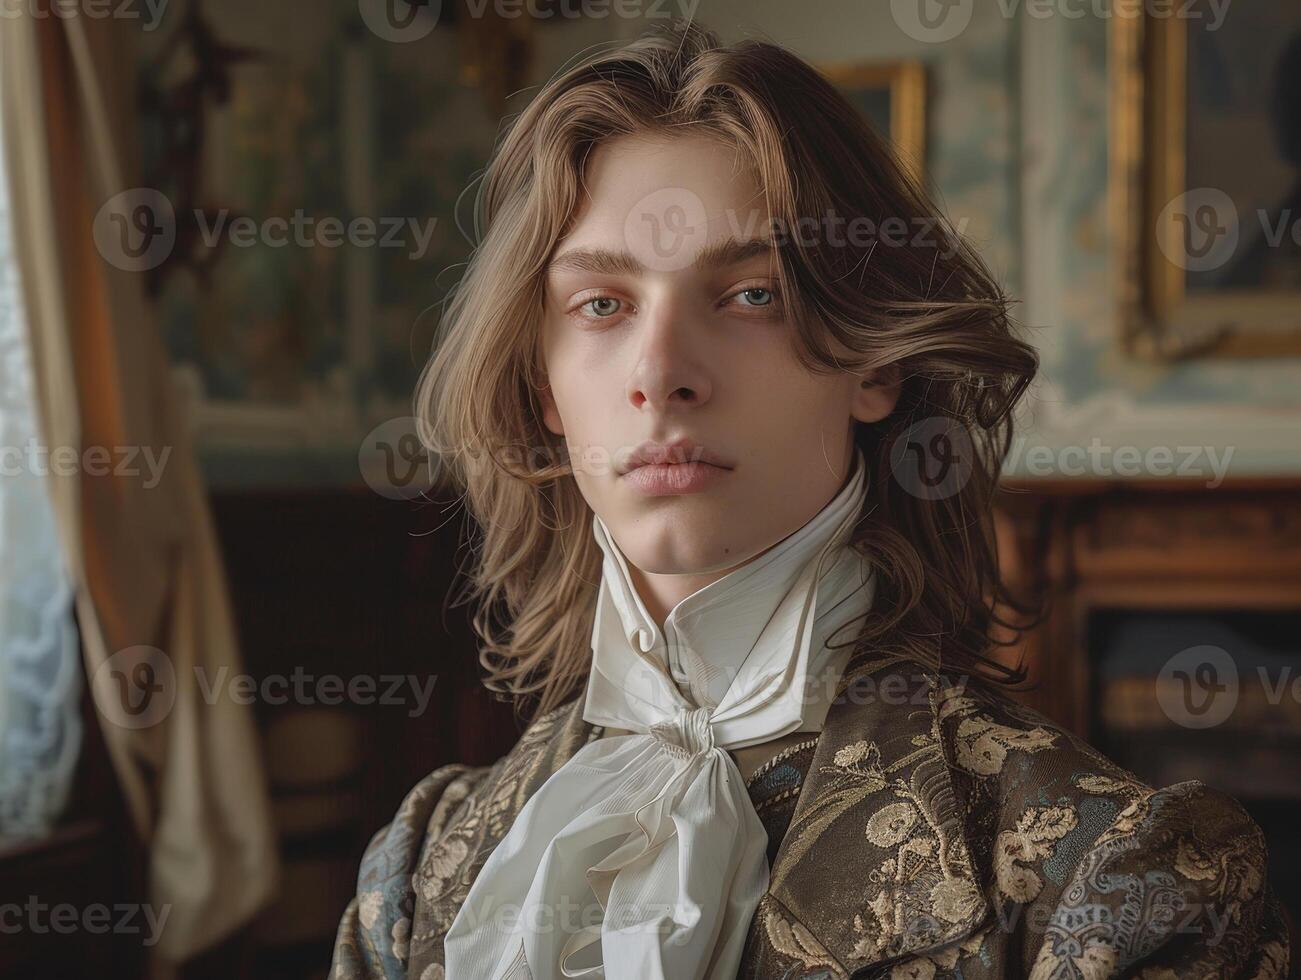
(687, 734)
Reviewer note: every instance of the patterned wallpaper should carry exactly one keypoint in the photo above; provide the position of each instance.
(340, 121)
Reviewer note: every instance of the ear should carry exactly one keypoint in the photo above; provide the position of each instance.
(876, 394)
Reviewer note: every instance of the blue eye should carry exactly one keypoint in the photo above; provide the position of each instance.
(757, 296)
(602, 306)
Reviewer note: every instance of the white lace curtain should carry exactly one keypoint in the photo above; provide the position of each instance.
(40, 665)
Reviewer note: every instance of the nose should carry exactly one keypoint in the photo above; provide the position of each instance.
(670, 371)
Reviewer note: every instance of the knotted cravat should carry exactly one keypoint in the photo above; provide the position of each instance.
(642, 856)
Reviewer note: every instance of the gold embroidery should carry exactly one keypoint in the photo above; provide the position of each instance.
(851, 755)
(1096, 962)
(1107, 786)
(1031, 840)
(890, 824)
(983, 744)
(793, 940)
(955, 899)
(1194, 863)
(903, 784)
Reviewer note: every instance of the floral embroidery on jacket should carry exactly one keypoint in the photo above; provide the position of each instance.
(958, 834)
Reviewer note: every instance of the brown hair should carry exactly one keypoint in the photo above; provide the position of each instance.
(931, 310)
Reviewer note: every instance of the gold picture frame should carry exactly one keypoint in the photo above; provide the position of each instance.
(893, 88)
(1151, 208)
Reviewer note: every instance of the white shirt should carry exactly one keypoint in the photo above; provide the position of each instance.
(642, 855)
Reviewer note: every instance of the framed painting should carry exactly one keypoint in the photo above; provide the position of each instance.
(892, 96)
(1206, 182)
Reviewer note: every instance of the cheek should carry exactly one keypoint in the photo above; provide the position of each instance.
(795, 414)
(587, 376)
(562, 374)
(766, 375)
(584, 399)
(576, 391)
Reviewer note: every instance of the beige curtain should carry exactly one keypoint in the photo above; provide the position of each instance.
(143, 559)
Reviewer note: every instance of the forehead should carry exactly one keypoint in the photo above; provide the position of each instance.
(663, 199)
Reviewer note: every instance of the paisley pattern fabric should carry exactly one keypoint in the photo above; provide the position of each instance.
(933, 829)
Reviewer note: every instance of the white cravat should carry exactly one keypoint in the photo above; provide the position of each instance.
(642, 856)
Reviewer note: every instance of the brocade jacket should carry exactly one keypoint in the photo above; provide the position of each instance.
(934, 829)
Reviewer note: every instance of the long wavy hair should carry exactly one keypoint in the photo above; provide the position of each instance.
(926, 307)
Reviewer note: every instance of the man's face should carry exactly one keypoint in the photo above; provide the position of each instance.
(661, 323)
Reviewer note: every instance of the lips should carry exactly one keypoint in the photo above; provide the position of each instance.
(658, 469)
(679, 452)
(660, 480)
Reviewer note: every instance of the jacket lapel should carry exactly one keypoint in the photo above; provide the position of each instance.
(875, 865)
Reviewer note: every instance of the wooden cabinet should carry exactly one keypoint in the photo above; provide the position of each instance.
(72, 900)
(1172, 635)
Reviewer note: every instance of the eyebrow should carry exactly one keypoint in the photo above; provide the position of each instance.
(601, 261)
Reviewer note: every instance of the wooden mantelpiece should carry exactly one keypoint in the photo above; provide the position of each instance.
(1169, 562)
(1153, 544)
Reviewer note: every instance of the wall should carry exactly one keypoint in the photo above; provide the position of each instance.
(1017, 157)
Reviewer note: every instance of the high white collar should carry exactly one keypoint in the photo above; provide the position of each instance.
(768, 617)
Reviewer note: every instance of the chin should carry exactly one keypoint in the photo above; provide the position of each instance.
(665, 542)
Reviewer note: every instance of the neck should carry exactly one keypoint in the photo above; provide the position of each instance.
(661, 592)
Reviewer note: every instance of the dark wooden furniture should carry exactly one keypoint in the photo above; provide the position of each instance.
(350, 585)
(1141, 580)
(92, 860)
(1090, 545)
